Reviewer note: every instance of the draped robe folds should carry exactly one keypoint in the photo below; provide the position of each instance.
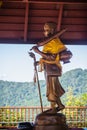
(54, 88)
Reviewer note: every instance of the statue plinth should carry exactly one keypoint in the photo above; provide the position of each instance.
(50, 121)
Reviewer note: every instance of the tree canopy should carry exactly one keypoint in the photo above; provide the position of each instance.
(26, 94)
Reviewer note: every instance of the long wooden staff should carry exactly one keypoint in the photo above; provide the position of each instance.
(32, 55)
(46, 40)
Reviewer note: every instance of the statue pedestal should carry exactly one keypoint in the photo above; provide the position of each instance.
(49, 121)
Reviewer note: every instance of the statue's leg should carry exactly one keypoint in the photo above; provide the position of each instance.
(60, 105)
(53, 104)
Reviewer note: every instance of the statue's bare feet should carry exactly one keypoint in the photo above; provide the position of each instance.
(61, 107)
(51, 111)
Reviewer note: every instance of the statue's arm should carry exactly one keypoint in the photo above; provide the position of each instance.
(58, 34)
(46, 56)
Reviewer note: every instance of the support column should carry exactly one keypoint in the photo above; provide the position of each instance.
(26, 21)
(60, 17)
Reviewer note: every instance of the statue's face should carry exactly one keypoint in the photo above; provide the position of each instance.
(47, 30)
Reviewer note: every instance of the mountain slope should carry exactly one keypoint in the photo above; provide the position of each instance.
(26, 94)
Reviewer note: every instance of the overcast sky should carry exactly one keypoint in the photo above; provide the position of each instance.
(16, 65)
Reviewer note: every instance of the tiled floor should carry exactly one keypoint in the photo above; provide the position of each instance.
(70, 129)
(79, 129)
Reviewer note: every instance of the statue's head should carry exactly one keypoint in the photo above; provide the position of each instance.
(49, 28)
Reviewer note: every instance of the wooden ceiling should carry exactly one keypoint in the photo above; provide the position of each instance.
(21, 21)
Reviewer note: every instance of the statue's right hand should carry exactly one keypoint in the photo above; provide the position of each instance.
(35, 49)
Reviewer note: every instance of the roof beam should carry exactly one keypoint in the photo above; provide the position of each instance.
(60, 17)
(49, 1)
(26, 22)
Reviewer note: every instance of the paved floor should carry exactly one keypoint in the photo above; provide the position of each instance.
(70, 129)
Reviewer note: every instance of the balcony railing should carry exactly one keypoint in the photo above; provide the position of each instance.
(11, 116)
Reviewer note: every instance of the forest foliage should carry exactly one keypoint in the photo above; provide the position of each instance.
(26, 93)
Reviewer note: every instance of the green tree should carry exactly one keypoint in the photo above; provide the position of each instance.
(75, 100)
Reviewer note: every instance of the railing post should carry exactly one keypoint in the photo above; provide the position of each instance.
(77, 116)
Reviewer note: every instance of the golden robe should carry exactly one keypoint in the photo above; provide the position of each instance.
(54, 46)
(54, 88)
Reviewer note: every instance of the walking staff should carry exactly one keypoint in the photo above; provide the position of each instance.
(32, 55)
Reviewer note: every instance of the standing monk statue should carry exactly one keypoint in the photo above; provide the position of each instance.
(50, 63)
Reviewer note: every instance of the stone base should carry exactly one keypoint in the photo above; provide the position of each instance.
(49, 121)
(55, 127)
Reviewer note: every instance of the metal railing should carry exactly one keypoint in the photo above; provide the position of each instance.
(11, 116)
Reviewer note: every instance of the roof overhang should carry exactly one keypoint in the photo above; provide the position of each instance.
(21, 21)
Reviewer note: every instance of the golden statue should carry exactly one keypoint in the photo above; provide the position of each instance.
(53, 52)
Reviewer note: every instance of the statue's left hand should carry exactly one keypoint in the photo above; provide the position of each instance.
(35, 48)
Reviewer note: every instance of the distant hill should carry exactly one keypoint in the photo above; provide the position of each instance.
(77, 79)
(26, 94)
